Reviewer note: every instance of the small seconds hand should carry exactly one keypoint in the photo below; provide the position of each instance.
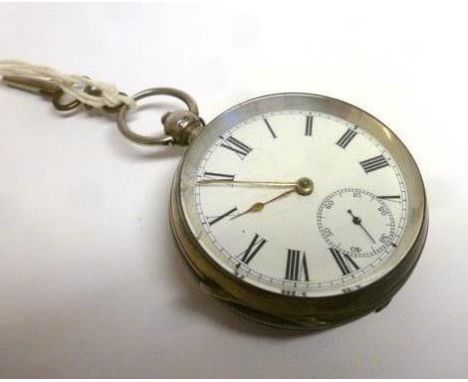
(357, 220)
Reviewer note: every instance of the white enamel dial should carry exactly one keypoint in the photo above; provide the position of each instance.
(263, 227)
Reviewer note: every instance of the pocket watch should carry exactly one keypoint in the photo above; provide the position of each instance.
(298, 210)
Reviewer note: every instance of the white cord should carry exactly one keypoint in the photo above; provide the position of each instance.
(72, 85)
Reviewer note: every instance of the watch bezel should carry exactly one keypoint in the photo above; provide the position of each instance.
(189, 233)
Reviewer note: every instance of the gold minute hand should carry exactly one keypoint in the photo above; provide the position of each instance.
(247, 183)
(303, 186)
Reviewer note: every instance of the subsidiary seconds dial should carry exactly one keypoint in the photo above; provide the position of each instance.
(356, 222)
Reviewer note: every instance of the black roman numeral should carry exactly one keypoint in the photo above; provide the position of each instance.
(374, 163)
(390, 197)
(255, 245)
(309, 125)
(296, 266)
(217, 175)
(237, 147)
(344, 261)
(346, 138)
(221, 217)
(269, 127)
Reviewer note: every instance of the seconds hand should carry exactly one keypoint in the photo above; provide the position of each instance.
(357, 220)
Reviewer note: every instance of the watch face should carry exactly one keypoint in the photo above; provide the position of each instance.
(300, 195)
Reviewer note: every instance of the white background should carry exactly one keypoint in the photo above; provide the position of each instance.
(91, 282)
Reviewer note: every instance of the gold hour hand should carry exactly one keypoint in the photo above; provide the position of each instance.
(258, 206)
(303, 186)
